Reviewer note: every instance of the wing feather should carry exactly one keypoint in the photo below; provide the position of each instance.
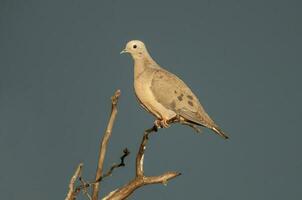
(175, 95)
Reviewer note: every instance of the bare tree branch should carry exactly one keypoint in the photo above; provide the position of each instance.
(140, 179)
(71, 195)
(141, 151)
(85, 185)
(104, 143)
(121, 164)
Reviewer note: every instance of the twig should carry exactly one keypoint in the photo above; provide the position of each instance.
(71, 195)
(104, 143)
(121, 164)
(140, 179)
(83, 187)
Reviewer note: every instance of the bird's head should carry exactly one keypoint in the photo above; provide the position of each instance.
(136, 48)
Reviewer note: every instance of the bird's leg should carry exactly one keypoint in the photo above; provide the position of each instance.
(157, 124)
(162, 123)
(166, 122)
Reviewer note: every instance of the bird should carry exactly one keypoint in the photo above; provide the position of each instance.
(165, 95)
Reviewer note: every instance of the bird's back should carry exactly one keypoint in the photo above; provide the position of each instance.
(175, 95)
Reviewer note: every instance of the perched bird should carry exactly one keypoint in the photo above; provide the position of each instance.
(165, 95)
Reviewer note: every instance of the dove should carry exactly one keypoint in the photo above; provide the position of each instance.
(165, 95)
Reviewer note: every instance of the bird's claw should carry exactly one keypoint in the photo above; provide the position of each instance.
(163, 123)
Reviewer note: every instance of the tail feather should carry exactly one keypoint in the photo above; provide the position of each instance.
(220, 132)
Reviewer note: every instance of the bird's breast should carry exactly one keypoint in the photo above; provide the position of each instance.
(142, 84)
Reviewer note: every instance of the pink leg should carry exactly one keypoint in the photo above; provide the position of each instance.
(162, 123)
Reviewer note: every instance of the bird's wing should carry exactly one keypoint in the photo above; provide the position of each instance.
(174, 94)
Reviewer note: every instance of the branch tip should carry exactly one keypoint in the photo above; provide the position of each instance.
(72, 192)
(115, 97)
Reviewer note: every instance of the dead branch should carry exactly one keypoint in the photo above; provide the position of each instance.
(121, 164)
(104, 143)
(71, 195)
(126, 190)
(84, 184)
(140, 179)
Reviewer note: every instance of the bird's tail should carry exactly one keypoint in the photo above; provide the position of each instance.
(217, 130)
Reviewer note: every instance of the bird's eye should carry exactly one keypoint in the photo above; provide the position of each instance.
(134, 46)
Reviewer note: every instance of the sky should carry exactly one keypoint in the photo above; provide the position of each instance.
(60, 64)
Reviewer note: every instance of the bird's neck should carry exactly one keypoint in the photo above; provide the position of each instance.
(142, 63)
(139, 67)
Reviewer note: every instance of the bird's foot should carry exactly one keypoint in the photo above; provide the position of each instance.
(162, 123)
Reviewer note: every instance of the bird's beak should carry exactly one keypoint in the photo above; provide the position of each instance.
(124, 51)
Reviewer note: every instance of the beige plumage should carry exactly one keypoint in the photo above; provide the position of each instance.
(164, 95)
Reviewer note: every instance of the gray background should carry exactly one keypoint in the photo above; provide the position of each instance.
(60, 63)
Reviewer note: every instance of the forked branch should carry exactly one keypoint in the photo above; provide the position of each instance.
(125, 191)
(140, 179)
